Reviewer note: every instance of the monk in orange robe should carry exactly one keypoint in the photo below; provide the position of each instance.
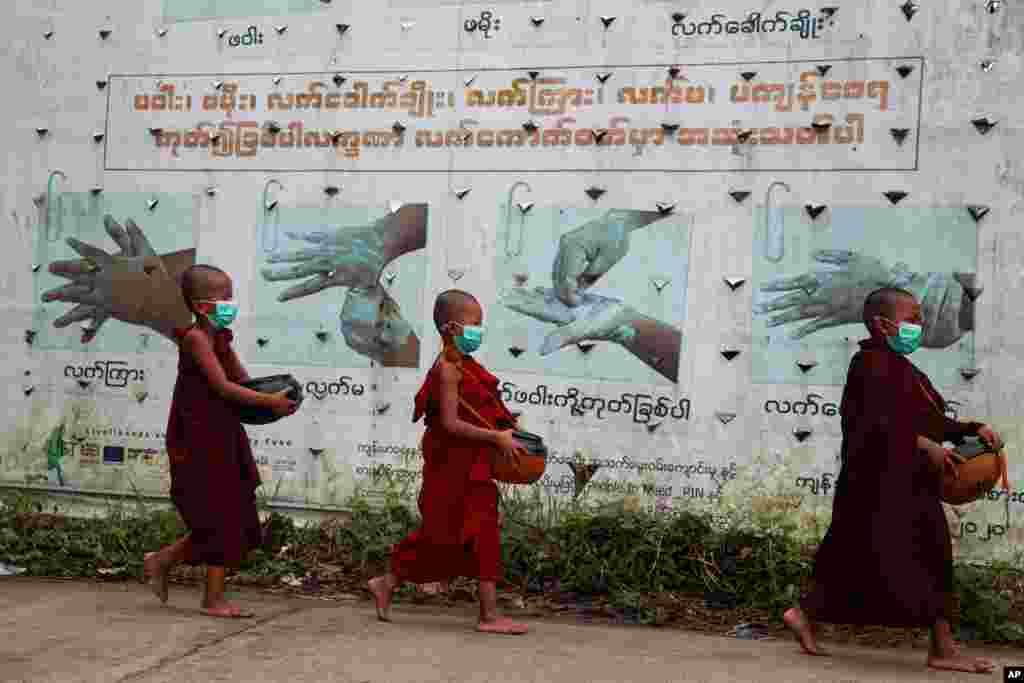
(458, 501)
(887, 557)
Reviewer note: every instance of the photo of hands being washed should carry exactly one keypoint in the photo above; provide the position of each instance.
(812, 275)
(339, 287)
(590, 292)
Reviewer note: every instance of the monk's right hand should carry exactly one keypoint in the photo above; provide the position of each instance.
(506, 442)
(282, 405)
(943, 460)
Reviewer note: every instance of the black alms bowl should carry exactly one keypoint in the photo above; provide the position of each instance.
(252, 415)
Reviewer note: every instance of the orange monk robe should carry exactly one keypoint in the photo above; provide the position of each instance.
(458, 501)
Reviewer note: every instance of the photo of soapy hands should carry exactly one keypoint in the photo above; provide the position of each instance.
(589, 293)
(115, 258)
(339, 287)
(811, 280)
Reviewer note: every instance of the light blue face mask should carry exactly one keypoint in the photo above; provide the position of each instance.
(471, 338)
(223, 313)
(907, 340)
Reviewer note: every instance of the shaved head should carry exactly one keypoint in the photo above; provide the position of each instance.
(203, 282)
(455, 304)
(887, 302)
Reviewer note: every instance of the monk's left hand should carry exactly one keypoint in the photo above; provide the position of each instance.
(991, 437)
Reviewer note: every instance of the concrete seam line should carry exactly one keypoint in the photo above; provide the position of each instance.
(195, 649)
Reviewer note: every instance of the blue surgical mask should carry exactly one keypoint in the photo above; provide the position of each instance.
(907, 340)
(223, 313)
(470, 339)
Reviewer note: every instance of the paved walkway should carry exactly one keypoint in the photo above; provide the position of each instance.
(70, 631)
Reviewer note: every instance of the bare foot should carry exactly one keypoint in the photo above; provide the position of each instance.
(157, 575)
(225, 610)
(502, 625)
(381, 596)
(973, 665)
(804, 632)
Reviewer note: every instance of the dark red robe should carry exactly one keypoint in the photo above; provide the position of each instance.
(458, 501)
(887, 558)
(213, 474)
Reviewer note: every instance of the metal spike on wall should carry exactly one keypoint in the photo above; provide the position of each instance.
(332, 190)
(599, 134)
(969, 282)
(262, 341)
(899, 134)
(524, 207)
(96, 190)
(739, 196)
(48, 34)
(39, 200)
(98, 136)
(277, 80)
(594, 192)
(674, 71)
(749, 75)
(407, 25)
(161, 32)
(670, 127)
(660, 283)
(977, 211)
(462, 192)
(152, 204)
(537, 21)
(993, 6)
(678, 17)
(155, 131)
(322, 336)
(30, 336)
(734, 282)
(823, 69)
(455, 274)
(281, 29)
(585, 347)
(969, 373)
(339, 80)
(653, 427)
(398, 127)
(342, 28)
(987, 65)
(909, 9)
(211, 191)
(744, 134)
(904, 70)
(814, 210)
(607, 21)
(895, 196)
(533, 75)
(806, 366)
(665, 208)
(273, 127)
(729, 353)
(105, 33)
(101, 85)
(42, 132)
(516, 351)
(469, 81)
(603, 77)
(802, 433)
(221, 32)
(724, 417)
(984, 124)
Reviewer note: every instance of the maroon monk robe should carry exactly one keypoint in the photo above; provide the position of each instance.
(213, 474)
(886, 558)
(458, 501)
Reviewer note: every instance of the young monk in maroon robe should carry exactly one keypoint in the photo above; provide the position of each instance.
(887, 557)
(459, 535)
(213, 474)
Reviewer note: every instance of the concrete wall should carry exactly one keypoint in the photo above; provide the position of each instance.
(160, 113)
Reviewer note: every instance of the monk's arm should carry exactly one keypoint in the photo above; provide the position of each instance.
(234, 368)
(199, 345)
(450, 420)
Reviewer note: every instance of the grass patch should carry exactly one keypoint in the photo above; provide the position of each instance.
(637, 564)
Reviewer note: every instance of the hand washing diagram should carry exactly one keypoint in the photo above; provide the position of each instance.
(377, 255)
(569, 279)
(812, 277)
(116, 295)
